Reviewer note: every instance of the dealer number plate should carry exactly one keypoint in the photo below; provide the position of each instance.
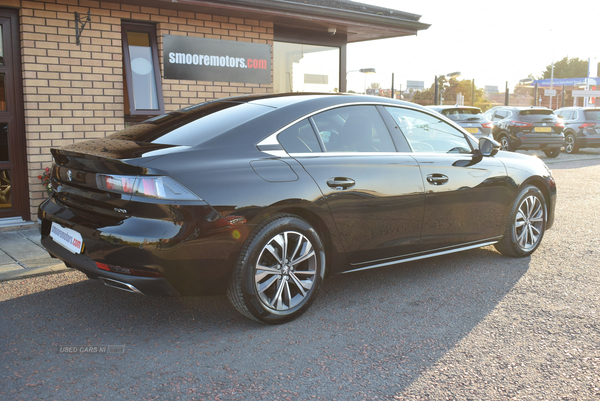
(69, 239)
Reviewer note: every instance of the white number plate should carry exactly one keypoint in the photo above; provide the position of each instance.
(67, 238)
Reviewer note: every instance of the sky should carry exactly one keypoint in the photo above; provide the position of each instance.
(490, 41)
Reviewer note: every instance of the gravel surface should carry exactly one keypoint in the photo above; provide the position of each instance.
(474, 325)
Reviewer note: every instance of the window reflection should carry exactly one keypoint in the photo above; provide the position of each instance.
(2, 94)
(5, 194)
(144, 96)
(1, 47)
(305, 68)
(4, 142)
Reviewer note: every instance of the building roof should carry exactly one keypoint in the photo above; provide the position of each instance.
(356, 21)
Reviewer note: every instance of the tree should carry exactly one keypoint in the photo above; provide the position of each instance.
(449, 89)
(375, 85)
(567, 68)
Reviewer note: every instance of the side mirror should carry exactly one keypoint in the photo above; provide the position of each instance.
(488, 146)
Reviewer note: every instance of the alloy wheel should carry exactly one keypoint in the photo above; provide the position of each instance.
(570, 144)
(529, 222)
(504, 143)
(286, 271)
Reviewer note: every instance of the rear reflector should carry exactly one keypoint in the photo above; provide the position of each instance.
(587, 125)
(125, 270)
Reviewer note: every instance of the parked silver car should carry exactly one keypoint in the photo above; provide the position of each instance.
(582, 127)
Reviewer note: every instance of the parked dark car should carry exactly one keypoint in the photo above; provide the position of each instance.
(527, 128)
(469, 117)
(265, 196)
(582, 127)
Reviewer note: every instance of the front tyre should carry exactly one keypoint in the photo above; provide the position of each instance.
(526, 224)
(279, 270)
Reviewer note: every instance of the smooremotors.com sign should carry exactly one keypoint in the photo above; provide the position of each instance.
(200, 59)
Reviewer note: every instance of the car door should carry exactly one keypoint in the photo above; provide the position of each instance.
(466, 195)
(374, 193)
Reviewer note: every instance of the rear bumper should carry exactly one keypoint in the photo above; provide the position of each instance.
(156, 286)
(190, 256)
(588, 142)
(537, 141)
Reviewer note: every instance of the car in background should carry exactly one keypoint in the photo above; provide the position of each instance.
(263, 196)
(468, 117)
(527, 128)
(582, 127)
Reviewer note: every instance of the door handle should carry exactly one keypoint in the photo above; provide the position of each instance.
(437, 179)
(340, 183)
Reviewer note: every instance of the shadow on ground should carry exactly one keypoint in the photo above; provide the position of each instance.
(369, 334)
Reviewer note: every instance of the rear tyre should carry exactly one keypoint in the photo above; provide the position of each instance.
(554, 152)
(505, 143)
(279, 271)
(526, 224)
(571, 144)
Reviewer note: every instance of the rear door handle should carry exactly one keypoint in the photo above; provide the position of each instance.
(437, 179)
(340, 183)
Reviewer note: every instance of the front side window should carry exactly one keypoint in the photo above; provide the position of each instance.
(426, 133)
(353, 129)
(141, 74)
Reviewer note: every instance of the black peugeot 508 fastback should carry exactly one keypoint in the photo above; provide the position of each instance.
(262, 197)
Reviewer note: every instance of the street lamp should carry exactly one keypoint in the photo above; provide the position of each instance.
(436, 90)
(364, 71)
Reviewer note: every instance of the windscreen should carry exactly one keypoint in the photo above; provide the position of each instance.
(462, 114)
(192, 125)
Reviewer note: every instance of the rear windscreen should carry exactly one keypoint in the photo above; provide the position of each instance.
(536, 112)
(461, 114)
(192, 125)
(592, 115)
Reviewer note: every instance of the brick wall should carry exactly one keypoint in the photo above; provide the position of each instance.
(74, 92)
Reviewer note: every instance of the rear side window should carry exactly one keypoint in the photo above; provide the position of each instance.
(426, 133)
(593, 115)
(500, 115)
(299, 138)
(353, 129)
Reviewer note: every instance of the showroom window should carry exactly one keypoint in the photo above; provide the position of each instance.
(305, 68)
(141, 72)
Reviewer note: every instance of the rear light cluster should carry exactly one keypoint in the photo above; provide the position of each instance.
(487, 125)
(560, 124)
(587, 125)
(152, 187)
(126, 270)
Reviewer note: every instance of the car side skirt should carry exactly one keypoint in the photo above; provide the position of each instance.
(479, 244)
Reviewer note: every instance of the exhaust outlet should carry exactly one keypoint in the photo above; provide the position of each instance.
(119, 285)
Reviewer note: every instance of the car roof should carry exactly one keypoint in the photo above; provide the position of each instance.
(456, 106)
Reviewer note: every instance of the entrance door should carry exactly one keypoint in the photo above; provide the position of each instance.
(14, 201)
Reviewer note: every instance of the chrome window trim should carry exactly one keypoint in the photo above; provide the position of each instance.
(272, 139)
